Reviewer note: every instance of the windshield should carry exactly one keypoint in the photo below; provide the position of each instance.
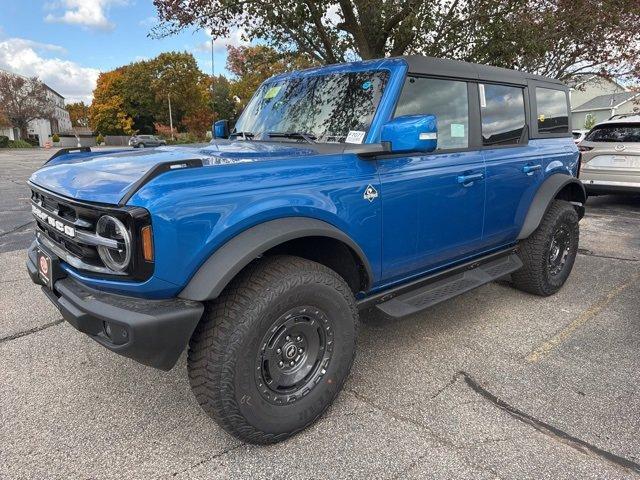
(615, 133)
(334, 108)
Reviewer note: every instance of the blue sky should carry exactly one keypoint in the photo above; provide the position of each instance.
(68, 42)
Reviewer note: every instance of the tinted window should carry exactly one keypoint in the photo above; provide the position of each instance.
(502, 110)
(552, 113)
(615, 133)
(447, 100)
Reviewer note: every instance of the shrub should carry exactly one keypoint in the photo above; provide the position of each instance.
(99, 139)
(34, 142)
(4, 141)
(19, 144)
(55, 138)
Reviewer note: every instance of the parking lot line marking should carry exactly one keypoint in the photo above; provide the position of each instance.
(583, 318)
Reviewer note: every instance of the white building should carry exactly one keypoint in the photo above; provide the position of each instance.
(43, 129)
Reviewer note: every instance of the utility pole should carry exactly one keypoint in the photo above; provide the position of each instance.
(213, 79)
(170, 117)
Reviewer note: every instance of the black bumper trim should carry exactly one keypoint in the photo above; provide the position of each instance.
(152, 332)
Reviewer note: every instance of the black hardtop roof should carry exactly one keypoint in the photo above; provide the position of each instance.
(420, 64)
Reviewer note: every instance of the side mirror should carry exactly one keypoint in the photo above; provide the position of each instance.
(221, 129)
(411, 133)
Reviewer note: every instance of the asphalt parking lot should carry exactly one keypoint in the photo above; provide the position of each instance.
(495, 383)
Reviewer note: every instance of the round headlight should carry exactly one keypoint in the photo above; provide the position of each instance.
(116, 259)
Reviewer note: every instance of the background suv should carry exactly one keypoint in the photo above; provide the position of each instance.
(611, 157)
(142, 141)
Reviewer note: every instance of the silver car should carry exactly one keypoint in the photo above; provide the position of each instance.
(142, 141)
(611, 157)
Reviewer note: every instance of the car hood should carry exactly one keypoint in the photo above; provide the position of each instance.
(107, 177)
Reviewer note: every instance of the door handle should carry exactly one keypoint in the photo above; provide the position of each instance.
(467, 180)
(531, 168)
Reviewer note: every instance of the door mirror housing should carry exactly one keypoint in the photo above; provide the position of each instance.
(411, 133)
(221, 129)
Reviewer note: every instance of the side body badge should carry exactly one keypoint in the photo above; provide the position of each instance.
(370, 193)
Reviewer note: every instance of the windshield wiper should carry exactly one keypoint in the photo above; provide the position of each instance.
(309, 137)
(244, 135)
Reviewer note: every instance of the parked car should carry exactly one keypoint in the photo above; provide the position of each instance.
(578, 135)
(392, 184)
(611, 157)
(142, 141)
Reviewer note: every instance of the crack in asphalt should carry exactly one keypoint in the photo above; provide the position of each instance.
(30, 331)
(551, 431)
(15, 229)
(206, 460)
(589, 253)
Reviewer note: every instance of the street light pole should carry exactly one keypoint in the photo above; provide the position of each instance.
(170, 117)
(213, 79)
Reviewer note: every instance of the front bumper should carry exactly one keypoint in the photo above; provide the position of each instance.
(152, 332)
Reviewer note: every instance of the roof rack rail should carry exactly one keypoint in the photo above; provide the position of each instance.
(624, 115)
(64, 151)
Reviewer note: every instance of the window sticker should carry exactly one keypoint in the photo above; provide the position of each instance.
(355, 136)
(272, 92)
(457, 130)
(367, 85)
(483, 98)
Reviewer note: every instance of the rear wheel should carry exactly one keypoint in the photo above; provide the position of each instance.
(549, 253)
(141, 145)
(274, 350)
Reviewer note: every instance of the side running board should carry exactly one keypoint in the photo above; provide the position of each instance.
(448, 287)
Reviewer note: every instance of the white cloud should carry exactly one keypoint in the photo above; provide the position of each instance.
(86, 13)
(220, 44)
(29, 58)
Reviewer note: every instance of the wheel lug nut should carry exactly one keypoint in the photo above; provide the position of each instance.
(281, 364)
(288, 338)
(300, 350)
(278, 351)
(299, 338)
(292, 363)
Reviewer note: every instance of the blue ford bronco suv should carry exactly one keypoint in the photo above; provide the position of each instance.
(392, 184)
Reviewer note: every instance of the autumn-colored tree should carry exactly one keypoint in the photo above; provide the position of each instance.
(559, 38)
(107, 113)
(251, 65)
(198, 122)
(78, 113)
(23, 100)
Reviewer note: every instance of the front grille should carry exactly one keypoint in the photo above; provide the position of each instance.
(81, 219)
(67, 227)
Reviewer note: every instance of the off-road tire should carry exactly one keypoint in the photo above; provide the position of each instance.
(536, 251)
(227, 342)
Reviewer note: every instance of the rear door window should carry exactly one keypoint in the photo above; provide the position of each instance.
(552, 113)
(615, 133)
(503, 117)
(446, 99)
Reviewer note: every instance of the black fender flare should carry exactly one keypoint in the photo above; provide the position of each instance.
(228, 260)
(543, 197)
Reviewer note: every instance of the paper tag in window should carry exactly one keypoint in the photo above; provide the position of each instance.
(355, 136)
(483, 98)
(272, 92)
(457, 130)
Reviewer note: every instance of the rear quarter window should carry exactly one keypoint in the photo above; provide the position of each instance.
(552, 112)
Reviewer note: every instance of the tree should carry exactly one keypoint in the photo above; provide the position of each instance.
(559, 38)
(252, 65)
(23, 100)
(107, 113)
(78, 113)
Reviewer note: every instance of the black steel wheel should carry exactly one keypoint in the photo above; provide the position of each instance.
(549, 253)
(271, 354)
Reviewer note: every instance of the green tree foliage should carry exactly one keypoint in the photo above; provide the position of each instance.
(107, 113)
(558, 38)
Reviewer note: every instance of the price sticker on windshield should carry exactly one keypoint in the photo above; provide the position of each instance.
(272, 92)
(355, 136)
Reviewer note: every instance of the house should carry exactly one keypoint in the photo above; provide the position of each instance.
(598, 98)
(603, 107)
(42, 129)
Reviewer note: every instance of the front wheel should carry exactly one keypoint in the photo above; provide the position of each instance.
(274, 350)
(549, 253)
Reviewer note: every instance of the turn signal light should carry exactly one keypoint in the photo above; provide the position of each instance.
(147, 243)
